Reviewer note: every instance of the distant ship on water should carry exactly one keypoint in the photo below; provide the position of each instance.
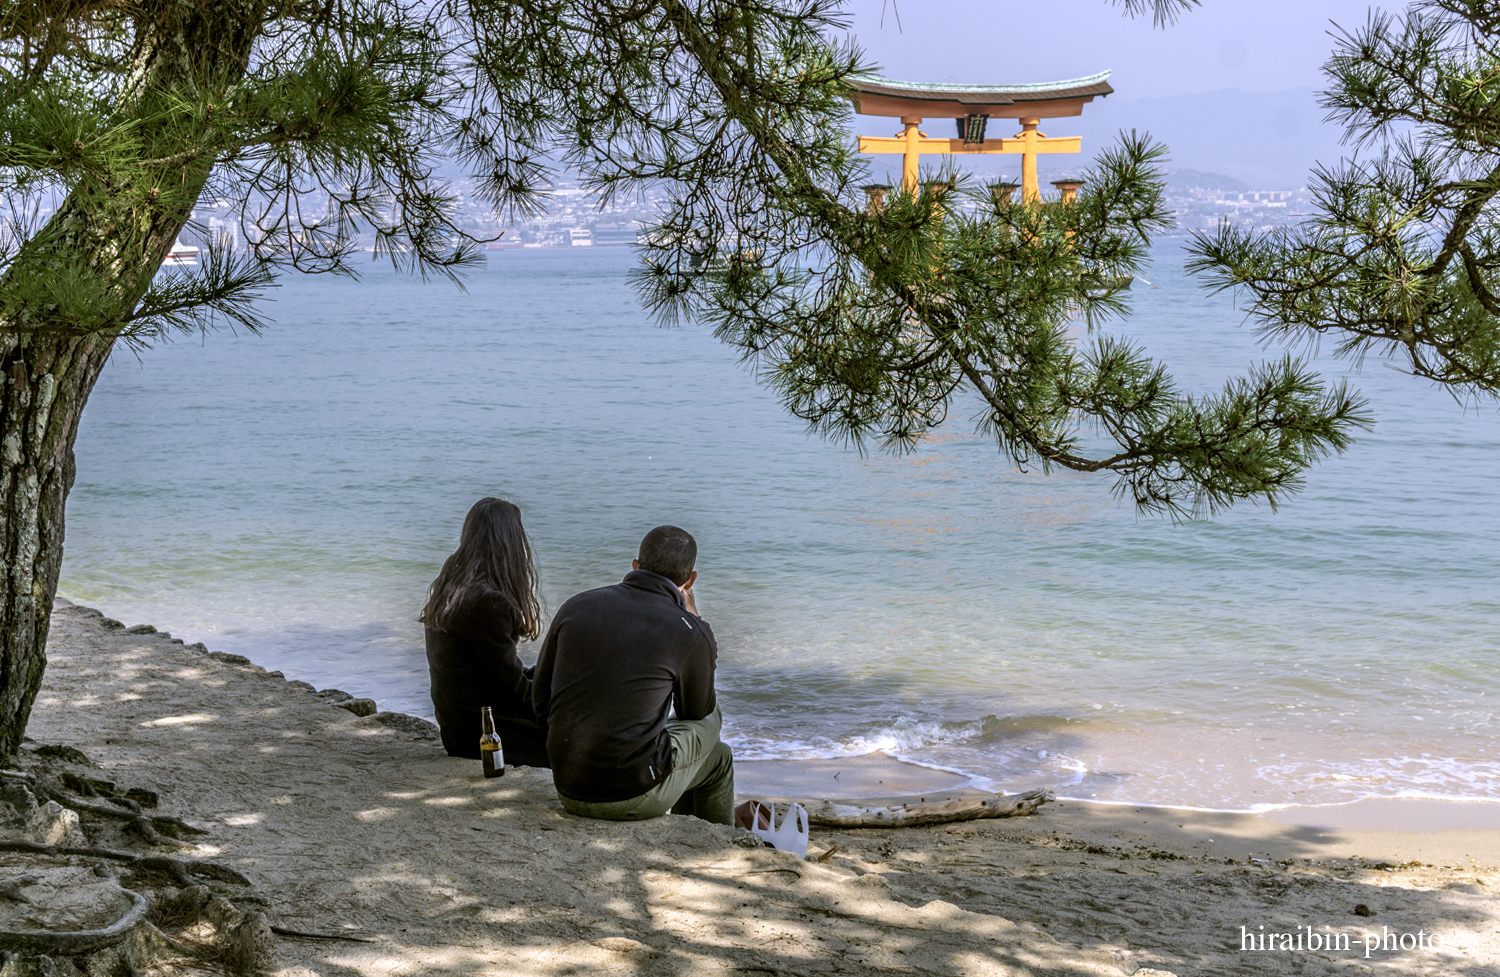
(181, 255)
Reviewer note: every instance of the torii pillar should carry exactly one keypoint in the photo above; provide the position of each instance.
(972, 106)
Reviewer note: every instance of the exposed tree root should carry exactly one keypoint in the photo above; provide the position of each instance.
(142, 826)
(240, 940)
(75, 942)
(11, 888)
(158, 824)
(181, 870)
(283, 931)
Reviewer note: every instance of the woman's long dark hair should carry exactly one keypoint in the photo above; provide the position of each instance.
(493, 552)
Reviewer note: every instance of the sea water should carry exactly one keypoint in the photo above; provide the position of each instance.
(290, 496)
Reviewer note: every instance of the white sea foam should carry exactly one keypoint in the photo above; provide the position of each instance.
(905, 734)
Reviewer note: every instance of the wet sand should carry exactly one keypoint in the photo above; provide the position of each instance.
(874, 775)
(362, 826)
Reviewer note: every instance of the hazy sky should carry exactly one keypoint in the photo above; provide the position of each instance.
(1254, 45)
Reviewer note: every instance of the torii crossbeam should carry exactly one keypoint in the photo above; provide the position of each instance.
(972, 106)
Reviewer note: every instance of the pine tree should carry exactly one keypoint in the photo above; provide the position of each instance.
(1401, 259)
(322, 122)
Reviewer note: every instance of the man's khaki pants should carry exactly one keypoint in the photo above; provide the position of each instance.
(701, 782)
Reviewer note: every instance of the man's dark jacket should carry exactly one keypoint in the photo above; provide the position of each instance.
(613, 663)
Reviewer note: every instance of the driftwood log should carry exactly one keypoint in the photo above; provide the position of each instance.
(915, 810)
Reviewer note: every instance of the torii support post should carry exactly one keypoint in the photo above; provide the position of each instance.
(911, 150)
(1029, 143)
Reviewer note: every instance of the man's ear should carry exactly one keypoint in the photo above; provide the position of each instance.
(635, 564)
(689, 585)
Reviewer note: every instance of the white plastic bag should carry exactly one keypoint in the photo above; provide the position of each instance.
(791, 835)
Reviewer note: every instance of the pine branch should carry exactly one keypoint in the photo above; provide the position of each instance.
(1401, 256)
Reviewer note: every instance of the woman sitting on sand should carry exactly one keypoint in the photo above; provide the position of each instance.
(482, 602)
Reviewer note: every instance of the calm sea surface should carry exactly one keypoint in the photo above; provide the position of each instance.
(289, 497)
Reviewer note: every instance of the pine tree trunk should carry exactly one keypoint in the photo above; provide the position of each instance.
(46, 383)
(119, 232)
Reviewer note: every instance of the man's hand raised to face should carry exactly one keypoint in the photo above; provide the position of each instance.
(686, 588)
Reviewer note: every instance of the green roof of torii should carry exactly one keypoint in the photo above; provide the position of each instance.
(996, 95)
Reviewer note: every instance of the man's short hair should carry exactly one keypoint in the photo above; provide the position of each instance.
(670, 552)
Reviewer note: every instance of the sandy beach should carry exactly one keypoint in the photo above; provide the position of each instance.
(362, 827)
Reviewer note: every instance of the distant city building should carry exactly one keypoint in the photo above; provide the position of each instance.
(224, 234)
(574, 218)
(622, 234)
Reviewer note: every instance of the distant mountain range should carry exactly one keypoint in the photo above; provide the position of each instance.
(1269, 140)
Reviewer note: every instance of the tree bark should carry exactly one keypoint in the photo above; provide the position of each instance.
(46, 383)
(119, 229)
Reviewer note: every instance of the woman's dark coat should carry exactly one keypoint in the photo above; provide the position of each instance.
(473, 663)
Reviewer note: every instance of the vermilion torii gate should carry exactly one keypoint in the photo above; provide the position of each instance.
(972, 106)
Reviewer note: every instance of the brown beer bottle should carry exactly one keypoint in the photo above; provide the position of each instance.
(490, 752)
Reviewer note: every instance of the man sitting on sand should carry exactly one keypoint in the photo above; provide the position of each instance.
(613, 664)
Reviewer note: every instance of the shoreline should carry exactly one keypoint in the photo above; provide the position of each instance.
(361, 825)
(878, 774)
(871, 772)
